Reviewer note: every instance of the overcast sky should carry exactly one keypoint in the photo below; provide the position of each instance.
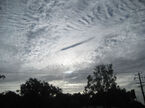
(60, 41)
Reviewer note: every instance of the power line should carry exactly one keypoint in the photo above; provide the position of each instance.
(139, 77)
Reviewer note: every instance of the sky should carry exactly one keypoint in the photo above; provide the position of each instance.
(60, 41)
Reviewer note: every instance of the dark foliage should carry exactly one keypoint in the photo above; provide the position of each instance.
(118, 98)
(34, 87)
(2, 76)
(101, 80)
(40, 94)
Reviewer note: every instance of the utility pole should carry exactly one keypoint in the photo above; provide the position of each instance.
(139, 77)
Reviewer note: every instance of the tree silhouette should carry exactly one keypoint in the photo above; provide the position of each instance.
(2, 76)
(40, 94)
(101, 80)
(34, 87)
(9, 99)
